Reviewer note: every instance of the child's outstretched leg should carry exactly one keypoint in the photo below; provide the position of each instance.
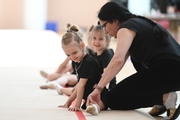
(50, 77)
(61, 90)
(67, 79)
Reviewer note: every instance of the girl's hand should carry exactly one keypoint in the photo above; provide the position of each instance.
(94, 97)
(66, 105)
(74, 108)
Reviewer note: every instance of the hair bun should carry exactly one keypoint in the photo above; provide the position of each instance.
(74, 28)
(91, 28)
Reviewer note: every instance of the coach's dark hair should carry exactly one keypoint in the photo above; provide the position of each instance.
(112, 11)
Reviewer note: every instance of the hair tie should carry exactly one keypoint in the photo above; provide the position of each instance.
(69, 30)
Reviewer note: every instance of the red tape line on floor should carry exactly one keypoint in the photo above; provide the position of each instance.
(79, 114)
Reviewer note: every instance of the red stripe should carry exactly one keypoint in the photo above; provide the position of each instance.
(79, 114)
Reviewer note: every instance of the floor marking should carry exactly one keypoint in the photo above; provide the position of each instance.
(79, 114)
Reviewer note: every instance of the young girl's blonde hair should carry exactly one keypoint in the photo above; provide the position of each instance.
(73, 33)
(95, 29)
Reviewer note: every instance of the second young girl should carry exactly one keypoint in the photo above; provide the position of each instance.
(99, 42)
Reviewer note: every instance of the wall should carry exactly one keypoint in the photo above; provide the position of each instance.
(11, 14)
(80, 12)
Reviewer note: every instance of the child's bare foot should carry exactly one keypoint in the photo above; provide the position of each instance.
(93, 109)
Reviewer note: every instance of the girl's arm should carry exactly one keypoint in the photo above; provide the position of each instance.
(65, 66)
(124, 41)
(73, 95)
(71, 98)
(80, 92)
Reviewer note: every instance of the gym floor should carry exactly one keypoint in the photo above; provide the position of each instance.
(23, 54)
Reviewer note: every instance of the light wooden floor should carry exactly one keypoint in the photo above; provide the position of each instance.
(23, 54)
